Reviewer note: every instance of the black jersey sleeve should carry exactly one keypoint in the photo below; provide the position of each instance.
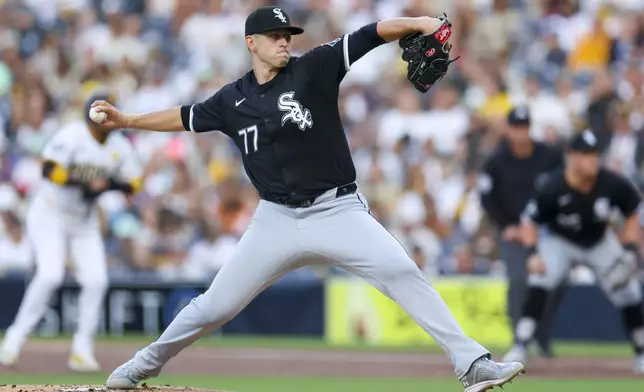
(205, 116)
(627, 197)
(331, 61)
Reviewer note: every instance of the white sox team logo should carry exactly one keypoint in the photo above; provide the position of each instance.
(294, 111)
(602, 208)
(279, 15)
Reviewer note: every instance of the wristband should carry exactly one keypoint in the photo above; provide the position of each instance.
(532, 250)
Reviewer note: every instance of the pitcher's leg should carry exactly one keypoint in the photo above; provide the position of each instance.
(412, 291)
(88, 255)
(231, 290)
(358, 243)
(262, 256)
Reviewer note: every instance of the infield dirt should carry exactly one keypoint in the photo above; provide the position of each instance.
(51, 357)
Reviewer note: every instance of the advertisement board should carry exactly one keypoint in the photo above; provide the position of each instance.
(357, 312)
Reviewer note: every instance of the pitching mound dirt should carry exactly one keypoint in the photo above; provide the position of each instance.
(93, 388)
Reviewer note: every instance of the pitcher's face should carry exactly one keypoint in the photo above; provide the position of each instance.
(273, 47)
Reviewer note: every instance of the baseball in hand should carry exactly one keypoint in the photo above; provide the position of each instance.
(96, 116)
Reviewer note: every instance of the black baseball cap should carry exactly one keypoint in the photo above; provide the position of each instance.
(269, 18)
(519, 115)
(584, 142)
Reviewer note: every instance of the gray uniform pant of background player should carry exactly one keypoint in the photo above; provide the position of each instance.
(515, 256)
(558, 255)
(339, 231)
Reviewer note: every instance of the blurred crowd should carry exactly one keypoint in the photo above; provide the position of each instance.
(577, 63)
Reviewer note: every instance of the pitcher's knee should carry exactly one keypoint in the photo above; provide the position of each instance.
(397, 268)
(216, 312)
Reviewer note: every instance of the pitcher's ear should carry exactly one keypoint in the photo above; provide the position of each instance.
(251, 43)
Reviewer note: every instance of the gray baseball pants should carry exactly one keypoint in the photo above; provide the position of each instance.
(558, 254)
(515, 256)
(335, 230)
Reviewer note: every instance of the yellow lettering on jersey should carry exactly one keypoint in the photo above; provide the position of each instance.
(86, 173)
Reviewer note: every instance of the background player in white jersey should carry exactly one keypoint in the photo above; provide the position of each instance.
(80, 162)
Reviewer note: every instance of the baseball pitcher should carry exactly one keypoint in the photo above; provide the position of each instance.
(283, 117)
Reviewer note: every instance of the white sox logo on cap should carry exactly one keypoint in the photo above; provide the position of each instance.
(279, 15)
(589, 137)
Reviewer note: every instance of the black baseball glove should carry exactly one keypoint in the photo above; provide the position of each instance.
(427, 56)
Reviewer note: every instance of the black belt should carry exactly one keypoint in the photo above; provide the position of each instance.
(285, 201)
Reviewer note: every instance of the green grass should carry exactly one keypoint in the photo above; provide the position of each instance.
(593, 349)
(339, 385)
(237, 384)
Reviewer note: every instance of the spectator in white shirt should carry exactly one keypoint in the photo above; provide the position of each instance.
(447, 121)
(404, 118)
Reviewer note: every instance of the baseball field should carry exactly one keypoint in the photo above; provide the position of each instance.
(272, 365)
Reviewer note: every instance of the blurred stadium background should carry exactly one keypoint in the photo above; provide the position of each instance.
(577, 63)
